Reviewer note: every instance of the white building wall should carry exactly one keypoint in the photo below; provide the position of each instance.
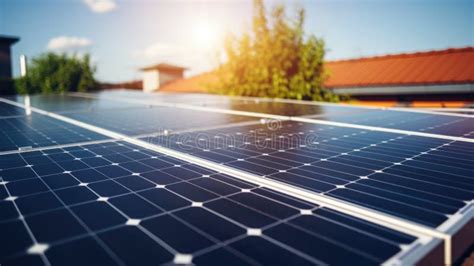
(151, 80)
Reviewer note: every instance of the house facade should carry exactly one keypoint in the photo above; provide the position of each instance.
(155, 76)
(6, 83)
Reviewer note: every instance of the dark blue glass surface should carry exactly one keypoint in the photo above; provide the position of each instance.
(148, 209)
(139, 121)
(40, 131)
(415, 178)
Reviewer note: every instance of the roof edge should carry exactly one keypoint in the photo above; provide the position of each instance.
(405, 55)
(10, 39)
(402, 84)
(164, 66)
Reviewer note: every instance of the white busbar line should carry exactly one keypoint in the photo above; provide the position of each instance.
(196, 129)
(58, 146)
(301, 102)
(381, 129)
(281, 117)
(448, 109)
(363, 213)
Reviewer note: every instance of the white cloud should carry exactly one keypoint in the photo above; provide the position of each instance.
(101, 6)
(160, 50)
(68, 43)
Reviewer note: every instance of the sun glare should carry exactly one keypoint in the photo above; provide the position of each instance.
(205, 34)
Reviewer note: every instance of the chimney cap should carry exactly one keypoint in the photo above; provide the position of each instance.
(164, 67)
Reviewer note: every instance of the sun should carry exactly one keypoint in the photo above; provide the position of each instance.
(205, 34)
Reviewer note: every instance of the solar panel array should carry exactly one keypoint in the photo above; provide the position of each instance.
(122, 178)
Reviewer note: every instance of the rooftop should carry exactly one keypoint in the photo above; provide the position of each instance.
(164, 67)
(194, 84)
(451, 66)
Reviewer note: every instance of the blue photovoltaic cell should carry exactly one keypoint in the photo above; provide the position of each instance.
(39, 131)
(155, 119)
(8, 110)
(421, 122)
(420, 179)
(114, 203)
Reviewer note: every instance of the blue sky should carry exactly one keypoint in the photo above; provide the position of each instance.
(123, 35)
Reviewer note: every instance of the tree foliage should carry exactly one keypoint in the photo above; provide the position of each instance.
(58, 73)
(274, 59)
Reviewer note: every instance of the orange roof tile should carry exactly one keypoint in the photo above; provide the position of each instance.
(451, 66)
(374, 103)
(449, 104)
(196, 84)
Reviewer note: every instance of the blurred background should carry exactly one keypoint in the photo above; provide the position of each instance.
(122, 37)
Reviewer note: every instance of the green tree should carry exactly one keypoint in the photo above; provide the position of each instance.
(274, 59)
(58, 73)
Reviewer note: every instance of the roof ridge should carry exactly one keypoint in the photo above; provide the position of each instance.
(405, 55)
(164, 65)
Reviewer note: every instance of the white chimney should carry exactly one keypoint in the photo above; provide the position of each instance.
(23, 67)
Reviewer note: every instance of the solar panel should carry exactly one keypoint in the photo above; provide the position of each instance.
(154, 119)
(38, 130)
(424, 122)
(188, 179)
(7, 110)
(287, 109)
(388, 172)
(198, 98)
(430, 123)
(61, 103)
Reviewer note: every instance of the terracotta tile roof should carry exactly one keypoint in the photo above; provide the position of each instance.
(451, 66)
(196, 84)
